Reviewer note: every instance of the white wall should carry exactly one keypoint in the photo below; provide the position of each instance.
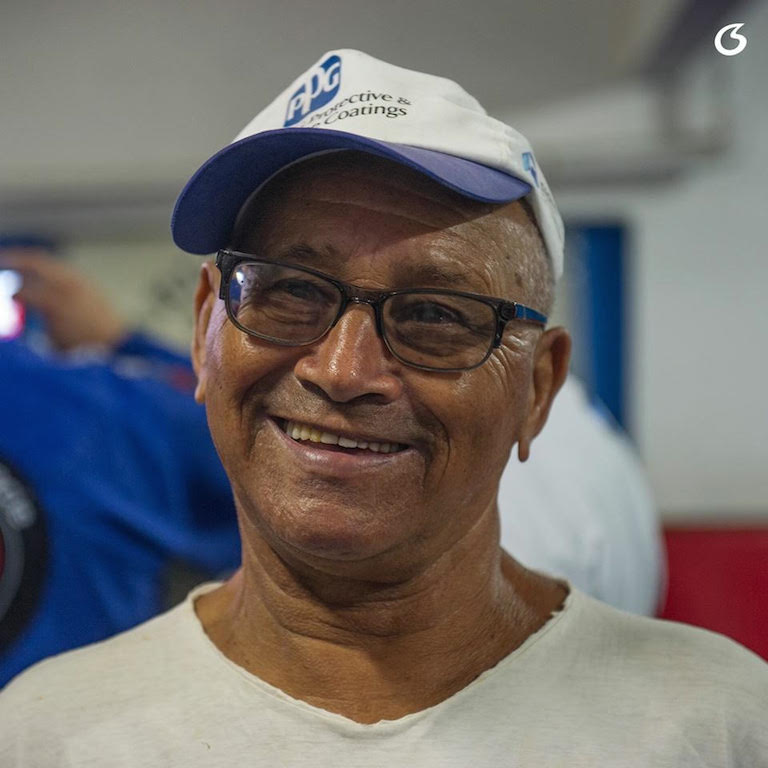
(102, 93)
(698, 367)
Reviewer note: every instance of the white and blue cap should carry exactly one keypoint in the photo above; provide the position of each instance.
(349, 100)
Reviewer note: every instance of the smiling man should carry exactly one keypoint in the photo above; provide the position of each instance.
(370, 346)
(370, 527)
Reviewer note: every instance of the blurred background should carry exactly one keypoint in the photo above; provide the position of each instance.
(644, 130)
(652, 140)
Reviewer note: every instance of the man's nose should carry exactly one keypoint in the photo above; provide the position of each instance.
(351, 360)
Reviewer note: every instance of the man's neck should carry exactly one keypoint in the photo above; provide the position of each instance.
(373, 651)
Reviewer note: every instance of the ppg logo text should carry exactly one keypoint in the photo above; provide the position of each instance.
(319, 87)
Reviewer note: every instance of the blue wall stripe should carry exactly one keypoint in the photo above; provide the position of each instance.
(601, 253)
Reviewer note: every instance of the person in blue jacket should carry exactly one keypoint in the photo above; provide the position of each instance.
(107, 474)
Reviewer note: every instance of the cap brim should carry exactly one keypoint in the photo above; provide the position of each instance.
(207, 207)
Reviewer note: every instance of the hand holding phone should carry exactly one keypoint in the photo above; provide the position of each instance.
(74, 311)
(11, 308)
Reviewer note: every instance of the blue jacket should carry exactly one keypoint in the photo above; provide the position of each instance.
(115, 460)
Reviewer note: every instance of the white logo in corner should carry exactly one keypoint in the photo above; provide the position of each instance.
(320, 85)
(733, 29)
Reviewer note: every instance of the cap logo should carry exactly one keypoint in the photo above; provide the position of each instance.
(529, 164)
(320, 85)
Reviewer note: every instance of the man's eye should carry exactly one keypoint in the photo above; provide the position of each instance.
(299, 289)
(430, 312)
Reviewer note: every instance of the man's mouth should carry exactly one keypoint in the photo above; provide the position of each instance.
(308, 433)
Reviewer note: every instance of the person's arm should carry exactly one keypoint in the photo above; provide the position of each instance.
(75, 312)
(139, 344)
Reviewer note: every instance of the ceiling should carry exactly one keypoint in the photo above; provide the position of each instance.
(135, 95)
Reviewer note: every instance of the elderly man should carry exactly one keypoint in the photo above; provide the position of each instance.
(370, 345)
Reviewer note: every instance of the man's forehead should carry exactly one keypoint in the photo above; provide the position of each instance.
(498, 247)
(356, 180)
(378, 183)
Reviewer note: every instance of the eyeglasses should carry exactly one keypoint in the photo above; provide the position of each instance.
(431, 329)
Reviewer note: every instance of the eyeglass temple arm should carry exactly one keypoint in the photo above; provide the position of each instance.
(514, 311)
(511, 310)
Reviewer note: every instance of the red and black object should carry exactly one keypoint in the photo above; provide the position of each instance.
(23, 554)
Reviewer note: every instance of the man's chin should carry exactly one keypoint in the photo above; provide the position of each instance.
(335, 540)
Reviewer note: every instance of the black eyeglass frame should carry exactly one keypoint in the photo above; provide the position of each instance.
(504, 310)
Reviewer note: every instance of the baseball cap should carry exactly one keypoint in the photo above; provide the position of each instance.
(350, 100)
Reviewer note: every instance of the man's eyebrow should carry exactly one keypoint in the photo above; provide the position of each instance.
(427, 272)
(303, 253)
(408, 273)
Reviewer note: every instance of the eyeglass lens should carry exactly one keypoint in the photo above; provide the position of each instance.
(291, 306)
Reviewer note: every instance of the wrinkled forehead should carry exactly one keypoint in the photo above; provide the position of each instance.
(350, 175)
(410, 202)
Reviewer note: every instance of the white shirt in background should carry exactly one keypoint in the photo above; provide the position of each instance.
(581, 507)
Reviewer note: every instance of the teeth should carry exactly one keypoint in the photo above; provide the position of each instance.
(303, 432)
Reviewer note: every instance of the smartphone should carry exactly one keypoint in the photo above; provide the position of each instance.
(12, 314)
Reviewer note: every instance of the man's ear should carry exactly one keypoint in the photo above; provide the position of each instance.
(550, 368)
(205, 298)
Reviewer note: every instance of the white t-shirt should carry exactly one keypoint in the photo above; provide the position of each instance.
(594, 687)
(582, 508)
